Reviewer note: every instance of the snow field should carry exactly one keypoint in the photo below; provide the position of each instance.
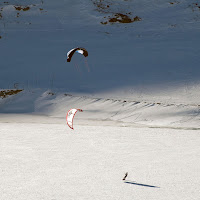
(50, 161)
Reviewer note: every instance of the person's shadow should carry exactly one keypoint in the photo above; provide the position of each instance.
(140, 184)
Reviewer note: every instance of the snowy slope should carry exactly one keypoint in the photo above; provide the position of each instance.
(152, 63)
(104, 111)
(156, 57)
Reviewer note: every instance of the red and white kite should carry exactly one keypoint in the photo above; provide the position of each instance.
(70, 116)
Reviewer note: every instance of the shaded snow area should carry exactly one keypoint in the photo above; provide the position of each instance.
(139, 89)
(157, 56)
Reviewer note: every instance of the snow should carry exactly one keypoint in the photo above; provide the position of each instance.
(122, 112)
(139, 94)
(156, 54)
(49, 161)
(42, 158)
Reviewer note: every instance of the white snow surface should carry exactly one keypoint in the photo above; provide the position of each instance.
(140, 100)
(49, 161)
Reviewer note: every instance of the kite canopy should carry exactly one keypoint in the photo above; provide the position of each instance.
(80, 50)
(70, 116)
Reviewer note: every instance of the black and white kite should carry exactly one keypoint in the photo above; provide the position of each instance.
(80, 50)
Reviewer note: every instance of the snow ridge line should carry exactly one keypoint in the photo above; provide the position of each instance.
(133, 101)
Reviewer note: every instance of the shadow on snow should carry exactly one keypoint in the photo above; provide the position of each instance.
(140, 184)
